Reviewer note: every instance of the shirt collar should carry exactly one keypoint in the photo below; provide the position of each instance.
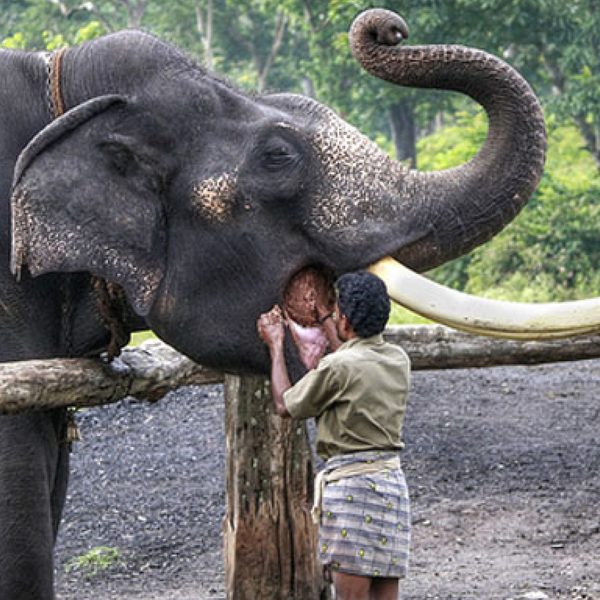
(358, 341)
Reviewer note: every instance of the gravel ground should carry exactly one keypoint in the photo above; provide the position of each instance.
(503, 465)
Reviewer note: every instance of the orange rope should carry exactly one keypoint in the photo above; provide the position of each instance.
(58, 104)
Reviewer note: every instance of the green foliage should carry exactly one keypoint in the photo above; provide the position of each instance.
(141, 336)
(454, 144)
(551, 250)
(402, 316)
(14, 42)
(53, 41)
(90, 31)
(94, 561)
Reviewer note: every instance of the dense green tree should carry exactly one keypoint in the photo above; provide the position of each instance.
(550, 251)
(556, 45)
(374, 106)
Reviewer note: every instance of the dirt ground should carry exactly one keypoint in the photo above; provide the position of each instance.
(503, 466)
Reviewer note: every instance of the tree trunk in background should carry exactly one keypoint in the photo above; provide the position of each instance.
(265, 68)
(591, 135)
(270, 539)
(590, 131)
(402, 124)
(308, 87)
(204, 26)
(135, 10)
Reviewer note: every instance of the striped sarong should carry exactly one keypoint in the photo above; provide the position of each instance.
(365, 520)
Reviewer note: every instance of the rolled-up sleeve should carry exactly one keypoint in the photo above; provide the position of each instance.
(310, 396)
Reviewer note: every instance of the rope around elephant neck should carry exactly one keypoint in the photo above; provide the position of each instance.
(57, 103)
(110, 297)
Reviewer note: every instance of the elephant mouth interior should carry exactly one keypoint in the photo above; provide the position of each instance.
(309, 287)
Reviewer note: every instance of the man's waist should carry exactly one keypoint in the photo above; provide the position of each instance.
(367, 455)
(351, 465)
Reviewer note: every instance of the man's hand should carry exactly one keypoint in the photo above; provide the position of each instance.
(270, 327)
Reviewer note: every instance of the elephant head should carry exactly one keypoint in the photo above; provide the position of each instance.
(204, 203)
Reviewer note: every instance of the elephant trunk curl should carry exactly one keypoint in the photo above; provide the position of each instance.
(467, 205)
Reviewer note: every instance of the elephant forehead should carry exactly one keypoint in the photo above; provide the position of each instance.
(214, 197)
(356, 176)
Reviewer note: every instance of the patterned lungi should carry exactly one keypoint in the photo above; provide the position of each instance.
(365, 520)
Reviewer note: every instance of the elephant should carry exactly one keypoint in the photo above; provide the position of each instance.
(139, 190)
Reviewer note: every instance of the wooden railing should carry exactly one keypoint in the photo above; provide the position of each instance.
(153, 369)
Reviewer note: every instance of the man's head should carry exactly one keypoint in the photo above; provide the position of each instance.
(364, 301)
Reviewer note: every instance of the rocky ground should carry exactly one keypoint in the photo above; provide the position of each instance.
(503, 466)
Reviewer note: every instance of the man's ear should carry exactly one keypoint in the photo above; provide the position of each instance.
(88, 198)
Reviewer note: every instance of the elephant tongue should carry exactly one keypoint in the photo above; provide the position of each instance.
(310, 341)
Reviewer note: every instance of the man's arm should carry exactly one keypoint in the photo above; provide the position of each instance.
(271, 330)
(280, 380)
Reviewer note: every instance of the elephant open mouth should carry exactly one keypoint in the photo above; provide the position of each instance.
(307, 295)
(308, 288)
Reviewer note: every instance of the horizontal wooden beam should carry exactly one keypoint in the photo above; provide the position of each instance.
(438, 347)
(151, 370)
(147, 372)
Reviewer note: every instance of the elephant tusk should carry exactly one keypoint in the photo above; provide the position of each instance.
(482, 316)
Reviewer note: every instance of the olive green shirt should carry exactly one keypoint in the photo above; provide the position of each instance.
(358, 396)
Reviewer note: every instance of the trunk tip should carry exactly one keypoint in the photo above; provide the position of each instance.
(379, 26)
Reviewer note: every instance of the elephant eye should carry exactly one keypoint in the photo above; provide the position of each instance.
(276, 154)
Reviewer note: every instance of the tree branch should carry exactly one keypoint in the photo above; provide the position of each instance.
(65, 11)
(147, 372)
(204, 26)
(108, 24)
(280, 26)
(588, 131)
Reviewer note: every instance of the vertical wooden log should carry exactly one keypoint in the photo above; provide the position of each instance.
(270, 539)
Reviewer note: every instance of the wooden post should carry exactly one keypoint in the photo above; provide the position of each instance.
(270, 539)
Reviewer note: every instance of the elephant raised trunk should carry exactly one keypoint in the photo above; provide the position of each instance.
(467, 205)
(457, 209)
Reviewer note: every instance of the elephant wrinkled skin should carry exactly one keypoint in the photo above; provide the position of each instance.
(202, 204)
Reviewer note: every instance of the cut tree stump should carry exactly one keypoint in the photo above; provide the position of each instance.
(270, 539)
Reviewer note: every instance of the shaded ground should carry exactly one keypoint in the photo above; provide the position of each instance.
(503, 466)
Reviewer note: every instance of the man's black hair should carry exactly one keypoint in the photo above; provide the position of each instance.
(363, 298)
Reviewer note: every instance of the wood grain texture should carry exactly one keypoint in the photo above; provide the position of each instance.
(151, 370)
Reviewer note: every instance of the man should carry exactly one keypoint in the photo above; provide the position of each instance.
(358, 396)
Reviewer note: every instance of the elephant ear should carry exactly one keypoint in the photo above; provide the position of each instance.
(86, 197)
